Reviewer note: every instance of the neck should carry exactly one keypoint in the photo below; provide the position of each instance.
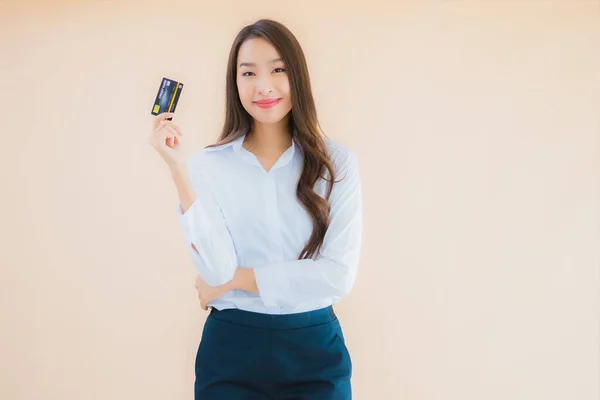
(269, 137)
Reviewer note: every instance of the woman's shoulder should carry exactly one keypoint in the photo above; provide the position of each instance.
(206, 155)
(203, 160)
(197, 158)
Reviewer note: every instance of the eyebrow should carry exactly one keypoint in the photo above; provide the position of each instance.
(245, 64)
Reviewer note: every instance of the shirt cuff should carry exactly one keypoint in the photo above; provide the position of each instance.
(196, 222)
(273, 285)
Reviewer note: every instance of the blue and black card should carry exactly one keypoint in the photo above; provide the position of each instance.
(167, 96)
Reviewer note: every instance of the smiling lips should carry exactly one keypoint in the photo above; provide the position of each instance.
(267, 103)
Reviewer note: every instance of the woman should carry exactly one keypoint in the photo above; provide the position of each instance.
(272, 216)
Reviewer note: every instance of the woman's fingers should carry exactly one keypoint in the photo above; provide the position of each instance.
(166, 130)
(169, 137)
(202, 302)
(159, 124)
(172, 132)
(157, 135)
(166, 139)
(176, 127)
(198, 284)
(161, 117)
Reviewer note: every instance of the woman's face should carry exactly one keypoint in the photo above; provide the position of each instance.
(261, 76)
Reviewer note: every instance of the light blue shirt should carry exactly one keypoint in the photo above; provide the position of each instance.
(244, 216)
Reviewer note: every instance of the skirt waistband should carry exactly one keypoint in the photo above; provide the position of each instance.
(274, 321)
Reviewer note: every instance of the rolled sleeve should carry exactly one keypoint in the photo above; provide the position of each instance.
(206, 233)
(333, 273)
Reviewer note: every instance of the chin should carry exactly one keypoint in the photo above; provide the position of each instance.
(269, 120)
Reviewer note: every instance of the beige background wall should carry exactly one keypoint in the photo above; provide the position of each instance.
(477, 126)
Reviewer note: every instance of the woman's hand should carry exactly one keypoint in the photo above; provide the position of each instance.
(243, 279)
(166, 139)
(207, 293)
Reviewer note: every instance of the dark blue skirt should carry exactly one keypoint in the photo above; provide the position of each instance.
(245, 356)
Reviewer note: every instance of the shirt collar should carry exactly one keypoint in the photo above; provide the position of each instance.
(287, 156)
(236, 145)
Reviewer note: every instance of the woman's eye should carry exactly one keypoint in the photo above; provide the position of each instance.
(276, 69)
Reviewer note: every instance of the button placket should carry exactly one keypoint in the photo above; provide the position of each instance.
(271, 200)
(272, 210)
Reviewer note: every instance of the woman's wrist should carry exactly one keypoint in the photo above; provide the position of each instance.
(244, 279)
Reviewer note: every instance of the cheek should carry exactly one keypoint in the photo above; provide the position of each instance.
(286, 90)
(285, 87)
(245, 93)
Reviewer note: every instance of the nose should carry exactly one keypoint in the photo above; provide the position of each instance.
(264, 86)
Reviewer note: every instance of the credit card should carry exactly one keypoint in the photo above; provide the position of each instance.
(167, 96)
